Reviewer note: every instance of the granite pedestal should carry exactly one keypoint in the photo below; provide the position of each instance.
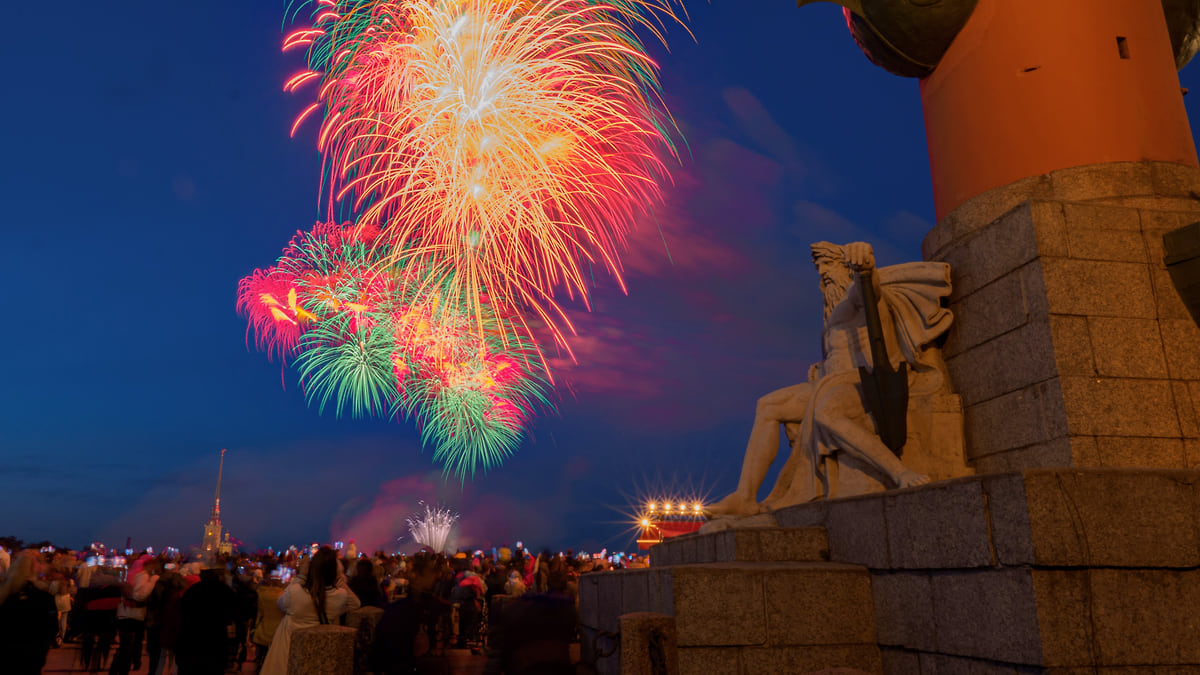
(1049, 571)
(745, 601)
(1070, 345)
(322, 650)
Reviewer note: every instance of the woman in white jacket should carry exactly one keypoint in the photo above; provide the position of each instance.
(319, 595)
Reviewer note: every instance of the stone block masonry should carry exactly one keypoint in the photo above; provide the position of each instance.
(1057, 571)
(1038, 571)
(1070, 345)
(771, 604)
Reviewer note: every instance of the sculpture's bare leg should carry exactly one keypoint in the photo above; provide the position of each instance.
(852, 437)
(796, 472)
(778, 407)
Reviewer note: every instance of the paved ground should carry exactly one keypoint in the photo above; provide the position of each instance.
(66, 659)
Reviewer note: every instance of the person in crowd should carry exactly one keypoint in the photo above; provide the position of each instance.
(533, 634)
(28, 617)
(468, 595)
(391, 590)
(319, 595)
(268, 616)
(99, 600)
(244, 613)
(164, 619)
(405, 631)
(365, 585)
(385, 566)
(445, 579)
(73, 620)
(516, 583)
(83, 575)
(191, 572)
(141, 577)
(531, 571)
(495, 578)
(541, 574)
(207, 609)
(60, 588)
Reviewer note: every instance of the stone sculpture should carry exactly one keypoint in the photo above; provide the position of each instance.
(825, 418)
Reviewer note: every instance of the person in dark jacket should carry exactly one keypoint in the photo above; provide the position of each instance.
(208, 608)
(164, 619)
(404, 632)
(533, 634)
(28, 617)
(99, 601)
(365, 585)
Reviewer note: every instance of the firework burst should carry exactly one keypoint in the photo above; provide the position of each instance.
(431, 527)
(365, 343)
(507, 146)
(489, 154)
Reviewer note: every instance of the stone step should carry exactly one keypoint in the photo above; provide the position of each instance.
(776, 544)
(731, 614)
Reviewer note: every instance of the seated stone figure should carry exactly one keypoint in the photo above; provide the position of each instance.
(826, 416)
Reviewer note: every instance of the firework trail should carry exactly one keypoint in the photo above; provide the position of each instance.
(432, 527)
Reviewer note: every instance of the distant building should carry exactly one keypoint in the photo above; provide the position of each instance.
(211, 544)
(666, 519)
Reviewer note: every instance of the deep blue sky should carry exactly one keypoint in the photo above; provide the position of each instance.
(148, 167)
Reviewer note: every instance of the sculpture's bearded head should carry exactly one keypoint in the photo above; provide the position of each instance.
(830, 261)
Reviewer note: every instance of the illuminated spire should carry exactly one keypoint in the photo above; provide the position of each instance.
(212, 529)
(216, 512)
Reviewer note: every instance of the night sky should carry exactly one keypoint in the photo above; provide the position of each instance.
(148, 168)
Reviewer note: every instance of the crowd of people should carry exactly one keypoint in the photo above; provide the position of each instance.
(210, 616)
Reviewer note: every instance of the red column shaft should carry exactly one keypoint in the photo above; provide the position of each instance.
(1031, 86)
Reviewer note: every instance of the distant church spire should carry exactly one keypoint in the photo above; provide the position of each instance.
(216, 511)
(212, 529)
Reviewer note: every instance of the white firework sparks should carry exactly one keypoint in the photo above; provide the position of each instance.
(432, 527)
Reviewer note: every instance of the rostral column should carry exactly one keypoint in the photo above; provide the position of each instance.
(1060, 154)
